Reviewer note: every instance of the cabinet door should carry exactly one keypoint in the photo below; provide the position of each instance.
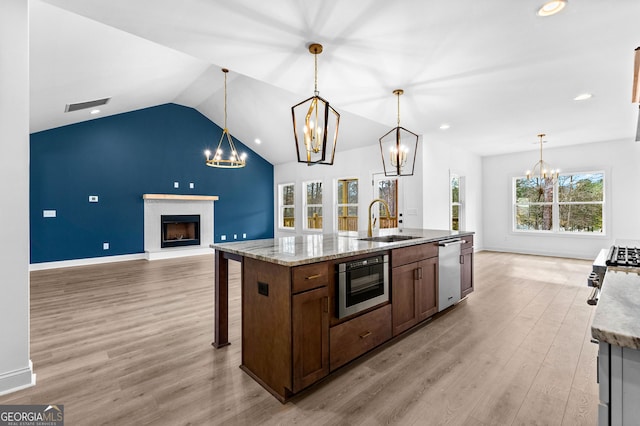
(427, 288)
(403, 297)
(466, 271)
(310, 337)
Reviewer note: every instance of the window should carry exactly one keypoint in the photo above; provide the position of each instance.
(574, 204)
(388, 191)
(312, 198)
(347, 205)
(286, 206)
(456, 202)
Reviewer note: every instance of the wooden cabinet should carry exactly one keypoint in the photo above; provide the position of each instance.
(414, 286)
(310, 317)
(357, 336)
(466, 267)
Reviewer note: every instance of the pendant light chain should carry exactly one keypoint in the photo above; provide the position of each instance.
(315, 57)
(398, 94)
(225, 100)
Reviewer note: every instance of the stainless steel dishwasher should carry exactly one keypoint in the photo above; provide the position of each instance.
(448, 272)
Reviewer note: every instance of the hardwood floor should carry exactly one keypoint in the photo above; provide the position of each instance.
(130, 344)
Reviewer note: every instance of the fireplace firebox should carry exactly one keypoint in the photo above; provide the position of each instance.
(180, 230)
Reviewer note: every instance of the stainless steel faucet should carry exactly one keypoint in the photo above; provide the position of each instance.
(386, 206)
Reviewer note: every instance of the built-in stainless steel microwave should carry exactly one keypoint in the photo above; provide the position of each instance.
(362, 284)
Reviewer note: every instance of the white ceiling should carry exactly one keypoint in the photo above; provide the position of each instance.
(492, 69)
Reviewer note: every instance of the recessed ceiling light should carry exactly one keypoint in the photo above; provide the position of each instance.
(95, 111)
(444, 126)
(552, 7)
(583, 97)
(258, 141)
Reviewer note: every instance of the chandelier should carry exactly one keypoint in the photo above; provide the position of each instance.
(316, 127)
(399, 148)
(541, 169)
(234, 160)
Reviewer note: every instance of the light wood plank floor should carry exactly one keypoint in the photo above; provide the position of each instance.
(129, 344)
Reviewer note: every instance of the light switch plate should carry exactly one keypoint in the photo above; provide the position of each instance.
(191, 185)
(48, 213)
(93, 198)
(223, 237)
(105, 246)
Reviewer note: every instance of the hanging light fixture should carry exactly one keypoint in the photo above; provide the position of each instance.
(399, 148)
(541, 169)
(316, 128)
(219, 158)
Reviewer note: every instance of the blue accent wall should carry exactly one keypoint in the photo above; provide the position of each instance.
(121, 157)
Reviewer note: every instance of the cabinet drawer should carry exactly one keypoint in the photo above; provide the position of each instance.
(353, 338)
(411, 254)
(311, 276)
(468, 243)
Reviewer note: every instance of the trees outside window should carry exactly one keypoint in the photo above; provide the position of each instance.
(312, 200)
(347, 205)
(575, 203)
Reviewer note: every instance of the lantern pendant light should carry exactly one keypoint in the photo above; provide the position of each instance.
(234, 160)
(315, 124)
(399, 148)
(542, 169)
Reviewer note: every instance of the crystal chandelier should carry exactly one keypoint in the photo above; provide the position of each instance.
(541, 169)
(234, 160)
(316, 126)
(399, 148)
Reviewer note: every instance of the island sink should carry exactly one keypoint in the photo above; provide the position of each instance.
(388, 238)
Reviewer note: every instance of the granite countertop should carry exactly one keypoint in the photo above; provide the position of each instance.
(300, 250)
(617, 317)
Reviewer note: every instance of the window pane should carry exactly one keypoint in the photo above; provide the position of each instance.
(534, 218)
(455, 218)
(348, 219)
(314, 193)
(314, 217)
(581, 217)
(353, 192)
(581, 187)
(288, 217)
(287, 195)
(455, 189)
(387, 190)
(534, 190)
(348, 191)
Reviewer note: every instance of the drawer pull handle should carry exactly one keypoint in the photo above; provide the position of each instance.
(313, 277)
(364, 335)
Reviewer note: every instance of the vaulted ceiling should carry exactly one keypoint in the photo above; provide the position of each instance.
(493, 70)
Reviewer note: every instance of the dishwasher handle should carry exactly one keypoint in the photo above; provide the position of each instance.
(451, 243)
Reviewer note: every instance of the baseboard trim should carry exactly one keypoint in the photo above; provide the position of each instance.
(85, 262)
(14, 381)
(538, 253)
(171, 253)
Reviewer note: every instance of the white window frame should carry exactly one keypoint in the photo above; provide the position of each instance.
(305, 219)
(339, 205)
(282, 206)
(555, 208)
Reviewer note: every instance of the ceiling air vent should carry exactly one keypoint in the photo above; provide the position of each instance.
(84, 105)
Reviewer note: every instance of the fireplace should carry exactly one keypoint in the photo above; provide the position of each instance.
(180, 230)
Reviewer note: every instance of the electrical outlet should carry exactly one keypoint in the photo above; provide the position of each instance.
(176, 185)
(244, 235)
(191, 185)
(235, 236)
(223, 237)
(105, 246)
(48, 213)
(93, 198)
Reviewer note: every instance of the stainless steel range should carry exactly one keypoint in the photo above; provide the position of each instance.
(623, 254)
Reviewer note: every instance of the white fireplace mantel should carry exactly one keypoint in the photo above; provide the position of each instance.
(156, 205)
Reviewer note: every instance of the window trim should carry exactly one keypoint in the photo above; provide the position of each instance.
(305, 219)
(555, 203)
(459, 203)
(282, 206)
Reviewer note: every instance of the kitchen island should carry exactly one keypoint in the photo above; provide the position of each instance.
(292, 335)
(616, 325)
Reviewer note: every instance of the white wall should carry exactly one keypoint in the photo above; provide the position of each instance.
(15, 366)
(620, 160)
(423, 197)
